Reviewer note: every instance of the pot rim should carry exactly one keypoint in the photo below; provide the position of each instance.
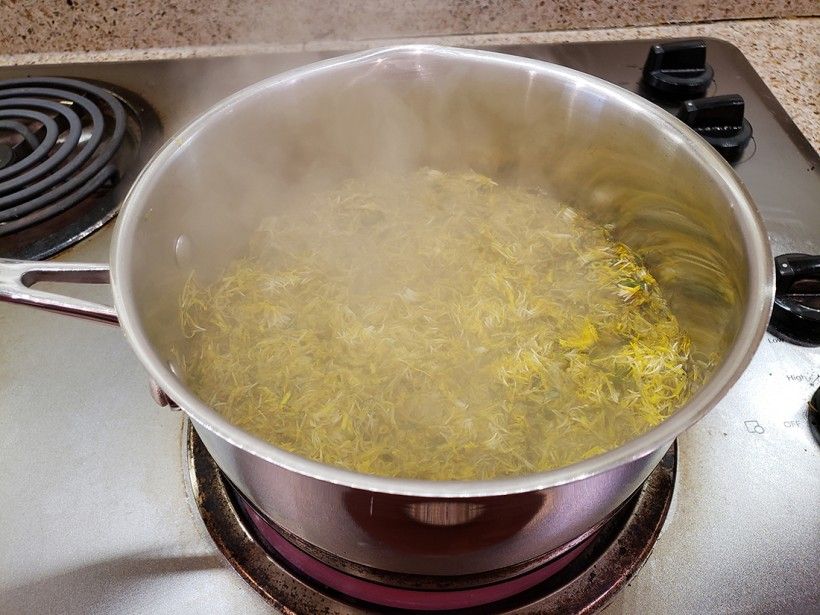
(754, 320)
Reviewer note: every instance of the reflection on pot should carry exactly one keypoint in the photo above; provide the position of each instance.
(441, 527)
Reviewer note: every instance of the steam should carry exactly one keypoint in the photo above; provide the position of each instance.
(395, 113)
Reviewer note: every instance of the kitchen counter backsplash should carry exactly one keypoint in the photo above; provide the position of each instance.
(34, 26)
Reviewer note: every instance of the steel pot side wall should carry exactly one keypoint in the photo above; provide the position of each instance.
(418, 535)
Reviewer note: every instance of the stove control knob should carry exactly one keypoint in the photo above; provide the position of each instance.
(719, 120)
(796, 310)
(678, 70)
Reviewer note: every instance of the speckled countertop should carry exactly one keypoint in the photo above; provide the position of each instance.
(94, 25)
(785, 52)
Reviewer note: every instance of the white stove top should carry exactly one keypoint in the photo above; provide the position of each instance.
(96, 517)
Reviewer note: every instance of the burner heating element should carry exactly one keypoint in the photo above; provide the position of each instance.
(68, 150)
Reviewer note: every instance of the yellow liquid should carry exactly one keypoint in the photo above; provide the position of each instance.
(436, 326)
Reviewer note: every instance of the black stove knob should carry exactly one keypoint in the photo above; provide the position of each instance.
(719, 120)
(678, 70)
(814, 415)
(796, 310)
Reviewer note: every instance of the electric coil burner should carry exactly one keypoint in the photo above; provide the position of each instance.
(581, 579)
(68, 151)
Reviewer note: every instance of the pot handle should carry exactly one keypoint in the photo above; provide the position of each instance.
(17, 278)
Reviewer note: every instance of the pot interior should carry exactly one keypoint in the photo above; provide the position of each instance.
(591, 145)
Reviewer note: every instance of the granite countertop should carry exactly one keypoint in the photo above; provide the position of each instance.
(785, 52)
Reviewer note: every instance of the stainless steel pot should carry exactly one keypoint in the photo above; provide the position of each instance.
(598, 147)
